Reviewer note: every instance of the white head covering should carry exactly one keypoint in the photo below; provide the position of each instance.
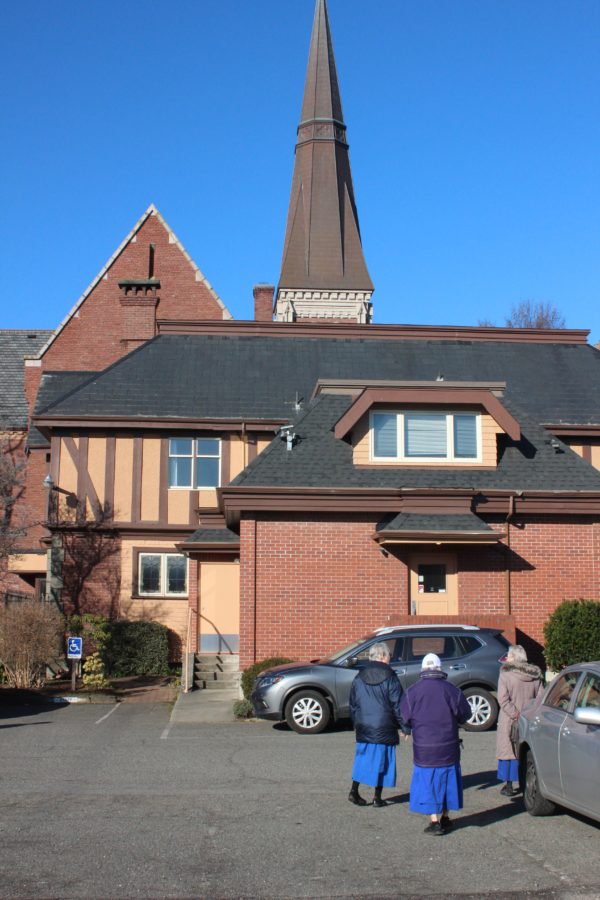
(431, 661)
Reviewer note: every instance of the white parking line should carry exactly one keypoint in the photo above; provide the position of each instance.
(165, 733)
(109, 713)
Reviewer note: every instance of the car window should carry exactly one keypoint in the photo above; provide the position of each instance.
(445, 646)
(469, 643)
(560, 695)
(395, 645)
(589, 692)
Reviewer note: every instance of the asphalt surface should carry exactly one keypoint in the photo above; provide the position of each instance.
(117, 802)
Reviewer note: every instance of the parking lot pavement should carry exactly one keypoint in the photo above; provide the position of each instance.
(114, 802)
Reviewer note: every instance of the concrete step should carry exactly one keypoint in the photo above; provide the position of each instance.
(210, 675)
(215, 685)
(212, 659)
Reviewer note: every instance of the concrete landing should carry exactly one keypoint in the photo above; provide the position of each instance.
(205, 707)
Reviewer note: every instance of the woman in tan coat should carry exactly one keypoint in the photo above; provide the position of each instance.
(519, 683)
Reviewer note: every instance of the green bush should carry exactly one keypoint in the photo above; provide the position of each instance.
(572, 634)
(136, 648)
(249, 674)
(242, 709)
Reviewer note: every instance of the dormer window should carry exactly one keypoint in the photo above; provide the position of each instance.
(415, 435)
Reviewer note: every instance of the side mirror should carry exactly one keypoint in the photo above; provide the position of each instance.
(587, 715)
(352, 661)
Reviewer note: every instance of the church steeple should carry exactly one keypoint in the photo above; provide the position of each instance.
(323, 271)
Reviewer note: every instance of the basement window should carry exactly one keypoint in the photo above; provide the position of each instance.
(415, 435)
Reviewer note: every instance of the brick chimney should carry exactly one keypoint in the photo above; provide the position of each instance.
(263, 302)
(139, 299)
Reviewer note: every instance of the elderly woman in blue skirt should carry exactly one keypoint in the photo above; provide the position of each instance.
(375, 710)
(434, 708)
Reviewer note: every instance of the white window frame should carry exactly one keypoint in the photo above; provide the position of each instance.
(418, 460)
(163, 574)
(194, 486)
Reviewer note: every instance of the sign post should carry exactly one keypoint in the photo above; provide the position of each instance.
(74, 653)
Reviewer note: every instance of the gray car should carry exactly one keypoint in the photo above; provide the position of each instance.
(308, 694)
(559, 747)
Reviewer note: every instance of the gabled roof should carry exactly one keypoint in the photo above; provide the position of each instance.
(151, 211)
(15, 345)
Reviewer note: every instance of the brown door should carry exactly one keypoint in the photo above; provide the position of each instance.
(433, 584)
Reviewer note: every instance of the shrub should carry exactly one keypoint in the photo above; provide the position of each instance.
(242, 709)
(136, 648)
(31, 635)
(249, 674)
(93, 673)
(572, 633)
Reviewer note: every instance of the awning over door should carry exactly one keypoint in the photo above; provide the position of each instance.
(438, 528)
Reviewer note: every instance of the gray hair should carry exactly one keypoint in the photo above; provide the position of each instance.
(516, 654)
(379, 651)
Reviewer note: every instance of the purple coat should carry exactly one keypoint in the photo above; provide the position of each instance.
(434, 708)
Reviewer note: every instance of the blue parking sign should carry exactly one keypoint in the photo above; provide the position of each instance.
(74, 647)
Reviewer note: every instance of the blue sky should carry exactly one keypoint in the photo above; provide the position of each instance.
(474, 134)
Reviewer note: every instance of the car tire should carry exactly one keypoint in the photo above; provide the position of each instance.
(484, 708)
(535, 803)
(307, 712)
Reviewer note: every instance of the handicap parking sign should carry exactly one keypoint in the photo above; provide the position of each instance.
(74, 647)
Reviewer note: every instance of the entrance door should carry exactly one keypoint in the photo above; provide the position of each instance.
(433, 584)
(219, 607)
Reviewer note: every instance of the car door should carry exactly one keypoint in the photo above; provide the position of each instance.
(580, 750)
(346, 673)
(544, 731)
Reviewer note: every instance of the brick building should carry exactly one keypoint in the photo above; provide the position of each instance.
(282, 485)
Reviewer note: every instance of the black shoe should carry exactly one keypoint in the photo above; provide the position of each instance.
(435, 828)
(446, 823)
(354, 797)
(507, 791)
(379, 802)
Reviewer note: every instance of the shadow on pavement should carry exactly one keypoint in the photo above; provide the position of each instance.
(482, 780)
(23, 724)
(489, 816)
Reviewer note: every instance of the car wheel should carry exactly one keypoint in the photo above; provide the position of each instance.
(307, 712)
(484, 709)
(535, 803)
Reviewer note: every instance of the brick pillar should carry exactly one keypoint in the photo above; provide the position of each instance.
(263, 302)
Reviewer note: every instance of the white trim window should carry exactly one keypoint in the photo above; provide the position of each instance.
(425, 436)
(162, 575)
(194, 463)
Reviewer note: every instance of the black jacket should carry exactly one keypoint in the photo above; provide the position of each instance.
(375, 705)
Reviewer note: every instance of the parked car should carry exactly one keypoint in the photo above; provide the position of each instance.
(559, 749)
(308, 694)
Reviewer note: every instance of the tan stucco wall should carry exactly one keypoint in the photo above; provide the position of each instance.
(123, 478)
(28, 562)
(489, 453)
(170, 612)
(179, 507)
(67, 478)
(97, 468)
(150, 478)
(237, 455)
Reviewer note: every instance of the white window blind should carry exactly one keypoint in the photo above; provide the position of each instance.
(425, 434)
(385, 435)
(465, 436)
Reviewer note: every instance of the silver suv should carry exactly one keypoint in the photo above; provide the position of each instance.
(308, 694)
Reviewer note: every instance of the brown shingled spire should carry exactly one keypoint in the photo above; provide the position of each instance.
(323, 272)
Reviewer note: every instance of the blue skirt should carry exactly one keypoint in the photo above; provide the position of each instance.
(508, 769)
(375, 764)
(436, 790)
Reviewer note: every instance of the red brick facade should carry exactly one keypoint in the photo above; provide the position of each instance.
(310, 585)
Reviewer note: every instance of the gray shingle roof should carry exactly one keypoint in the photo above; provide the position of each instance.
(14, 346)
(468, 522)
(213, 536)
(53, 386)
(321, 460)
(220, 376)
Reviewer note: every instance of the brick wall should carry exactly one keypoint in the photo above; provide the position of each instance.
(319, 583)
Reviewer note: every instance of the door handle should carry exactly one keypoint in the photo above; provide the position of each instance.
(459, 666)
(400, 671)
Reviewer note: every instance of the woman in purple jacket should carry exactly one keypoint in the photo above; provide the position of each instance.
(434, 708)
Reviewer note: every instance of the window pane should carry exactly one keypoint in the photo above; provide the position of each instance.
(385, 435)
(465, 436)
(432, 578)
(207, 473)
(149, 574)
(560, 695)
(208, 447)
(176, 575)
(589, 693)
(425, 434)
(180, 447)
(180, 471)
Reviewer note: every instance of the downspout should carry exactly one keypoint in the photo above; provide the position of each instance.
(254, 592)
(508, 596)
